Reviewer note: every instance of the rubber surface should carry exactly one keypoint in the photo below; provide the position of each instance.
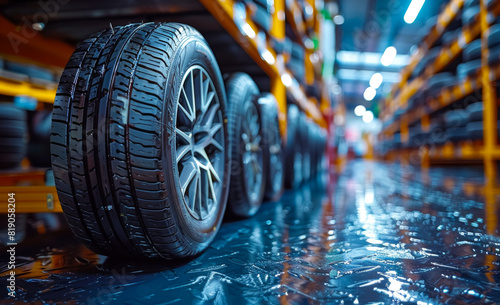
(272, 147)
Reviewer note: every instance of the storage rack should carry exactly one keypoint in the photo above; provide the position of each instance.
(36, 196)
(398, 117)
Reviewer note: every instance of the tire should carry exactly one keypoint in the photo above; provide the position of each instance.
(272, 147)
(315, 148)
(124, 138)
(13, 136)
(39, 144)
(245, 132)
(293, 155)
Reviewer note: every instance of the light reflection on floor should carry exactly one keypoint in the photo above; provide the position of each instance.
(376, 233)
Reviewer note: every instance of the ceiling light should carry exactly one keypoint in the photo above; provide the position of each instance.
(247, 29)
(268, 57)
(369, 59)
(368, 117)
(339, 20)
(376, 80)
(413, 10)
(359, 110)
(388, 56)
(369, 94)
(286, 79)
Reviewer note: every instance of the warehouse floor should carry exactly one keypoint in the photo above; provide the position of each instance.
(376, 233)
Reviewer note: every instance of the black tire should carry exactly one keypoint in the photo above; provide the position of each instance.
(293, 154)
(245, 132)
(322, 161)
(39, 144)
(13, 135)
(315, 148)
(272, 147)
(118, 128)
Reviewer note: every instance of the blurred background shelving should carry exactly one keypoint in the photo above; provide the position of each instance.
(444, 108)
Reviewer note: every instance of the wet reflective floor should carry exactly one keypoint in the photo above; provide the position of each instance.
(376, 234)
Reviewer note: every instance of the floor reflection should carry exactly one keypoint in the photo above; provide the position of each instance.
(378, 233)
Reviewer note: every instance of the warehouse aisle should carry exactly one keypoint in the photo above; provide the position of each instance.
(376, 233)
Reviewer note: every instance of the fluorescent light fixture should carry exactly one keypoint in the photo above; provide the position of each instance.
(376, 80)
(339, 20)
(413, 10)
(366, 75)
(388, 56)
(359, 110)
(369, 94)
(368, 117)
(369, 59)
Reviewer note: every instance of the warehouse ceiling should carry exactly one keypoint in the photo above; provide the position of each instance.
(372, 26)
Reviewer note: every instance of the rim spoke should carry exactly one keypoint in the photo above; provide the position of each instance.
(209, 116)
(255, 165)
(213, 172)
(205, 94)
(184, 135)
(256, 141)
(245, 138)
(182, 151)
(247, 158)
(212, 188)
(199, 196)
(193, 190)
(189, 112)
(192, 93)
(216, 144)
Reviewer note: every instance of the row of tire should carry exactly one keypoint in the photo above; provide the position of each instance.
(148, 148)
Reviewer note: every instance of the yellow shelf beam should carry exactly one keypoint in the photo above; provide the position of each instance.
(14, 88)
(275, 69)
(33, 199)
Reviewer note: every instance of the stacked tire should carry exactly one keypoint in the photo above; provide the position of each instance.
(306, 148)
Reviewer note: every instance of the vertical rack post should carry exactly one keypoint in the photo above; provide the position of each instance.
(277, 87)
(490, 102)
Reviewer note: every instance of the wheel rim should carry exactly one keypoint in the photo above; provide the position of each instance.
(252, 155)
(199, 143)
